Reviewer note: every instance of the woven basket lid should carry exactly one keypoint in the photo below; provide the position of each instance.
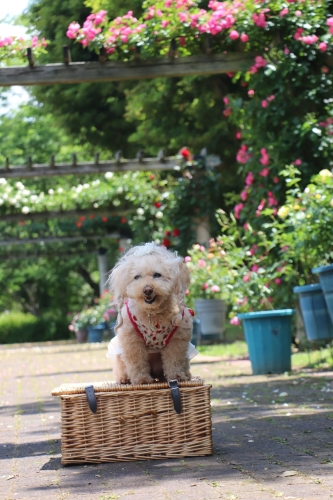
(64, 389)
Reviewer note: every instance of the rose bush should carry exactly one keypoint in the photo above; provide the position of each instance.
(283, 115)
(207, 280)
(257, 269)
(15, 48)
(303, 228)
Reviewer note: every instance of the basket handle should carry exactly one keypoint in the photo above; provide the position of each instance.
(175, 394)
(91, 397)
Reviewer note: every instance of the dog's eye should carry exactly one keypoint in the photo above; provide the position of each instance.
(137, 277)
(157, 275)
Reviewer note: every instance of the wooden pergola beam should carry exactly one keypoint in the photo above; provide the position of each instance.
(63, 213)
(56, 239)
(112, 71)
(36, 255)
(87, 168)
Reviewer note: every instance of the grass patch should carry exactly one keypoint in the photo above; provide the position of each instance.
(314, 357)
(234, 350)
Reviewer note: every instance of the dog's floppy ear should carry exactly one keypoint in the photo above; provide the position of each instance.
(182, 278)
(117, 283)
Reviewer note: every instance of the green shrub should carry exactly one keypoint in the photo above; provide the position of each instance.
(21, 327)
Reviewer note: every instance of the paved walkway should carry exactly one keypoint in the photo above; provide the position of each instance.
(272, 435)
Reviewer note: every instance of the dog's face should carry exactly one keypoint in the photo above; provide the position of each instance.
(150, 282)
(149, 274)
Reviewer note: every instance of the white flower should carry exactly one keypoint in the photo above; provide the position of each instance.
(12, 201)
(96, 182)
(120, 190)
(73, 188)
(116, 202)
(108, 175)
(5, 196)
(96, 205)
(140, 211)
(159, 215)
(158, 242)
(3, 181)
(1, 201)
(51, 191)
(86, 186)
(60, 190)
(26, 192)
(25, 210)
(33, 198)
(79, 188)
(19, 185)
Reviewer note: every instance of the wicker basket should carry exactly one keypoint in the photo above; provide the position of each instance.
(134, 422)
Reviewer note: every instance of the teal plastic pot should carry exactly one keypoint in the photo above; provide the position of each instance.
(325, 274)
(317, 321)
(268, 335)
(95, 333)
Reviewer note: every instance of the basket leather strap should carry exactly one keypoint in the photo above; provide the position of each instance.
(175, 394)
(91, 397)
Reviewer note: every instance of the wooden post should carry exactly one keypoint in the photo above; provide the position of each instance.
(30, 57)
(66, 55)
(123, 244)
(202, 231)
(103, 269)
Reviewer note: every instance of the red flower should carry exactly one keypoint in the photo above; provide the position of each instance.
(104, 219)
(79, 224)
(120, 249)
(123, 220)
(158, 204)
(176, 232)
(186, 154)
(166, 242)
(82, 218)
(168, 233)
(152, 177)
(91, 216)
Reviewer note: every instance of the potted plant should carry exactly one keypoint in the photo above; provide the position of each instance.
(206, 293)
(79, 328)
(305, 233)
(96, 319)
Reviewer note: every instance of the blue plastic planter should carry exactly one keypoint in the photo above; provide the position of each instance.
(326, 280)
(317, 322)
(268, 335)
(95, 333)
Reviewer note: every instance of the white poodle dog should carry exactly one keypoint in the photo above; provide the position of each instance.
(154, 326)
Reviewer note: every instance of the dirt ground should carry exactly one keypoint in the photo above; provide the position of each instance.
(272, 435)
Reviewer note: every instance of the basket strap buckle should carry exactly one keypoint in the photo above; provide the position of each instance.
(91, 397)
(175, 394)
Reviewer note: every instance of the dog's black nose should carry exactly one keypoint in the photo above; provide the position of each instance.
(148, 290)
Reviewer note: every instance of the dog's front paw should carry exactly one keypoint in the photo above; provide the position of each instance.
(123, 380)
(180, 376)
(142, 379)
